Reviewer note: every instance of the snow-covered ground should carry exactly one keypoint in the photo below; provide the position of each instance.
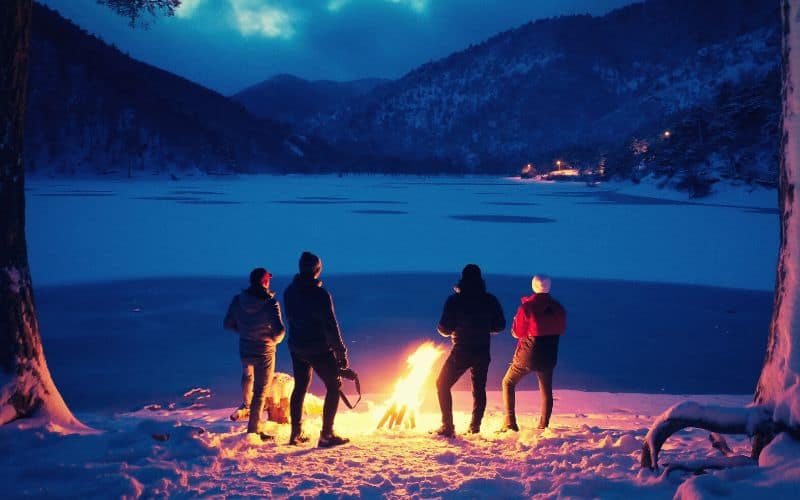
(591, 451)
(628, 261)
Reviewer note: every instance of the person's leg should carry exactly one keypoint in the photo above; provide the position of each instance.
(243, 411)
(513, 375)
(247, 382)
(328, 371)
(264, 369)
(478, 372)
(301, 370)
(546, 392)
(451, 371)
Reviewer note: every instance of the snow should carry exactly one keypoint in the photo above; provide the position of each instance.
(93, 230)
(777, 476)
(591, 450)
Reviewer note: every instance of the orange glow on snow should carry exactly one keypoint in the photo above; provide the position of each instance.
(408, 390)
(567, 172)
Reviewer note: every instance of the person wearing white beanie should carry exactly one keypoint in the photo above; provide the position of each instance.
(538, 325)
(540, 283)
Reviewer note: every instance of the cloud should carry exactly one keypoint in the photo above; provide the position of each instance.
(187, 8)
(255, 17)
(416, 5)
(336, 5)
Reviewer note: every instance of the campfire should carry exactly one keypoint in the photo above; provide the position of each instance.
(408, 393)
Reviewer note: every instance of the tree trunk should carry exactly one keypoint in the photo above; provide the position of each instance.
(26, 387)
(779, 383)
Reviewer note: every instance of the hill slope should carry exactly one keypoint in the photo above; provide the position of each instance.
(93, 109)
(583, 87)
(291, 99)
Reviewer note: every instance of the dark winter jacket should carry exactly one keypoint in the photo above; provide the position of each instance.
(313, 328)
(256, 316)
(539, 323)
(470, 316)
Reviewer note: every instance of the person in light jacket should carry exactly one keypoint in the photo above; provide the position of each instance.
(256, 316)
(538, 325)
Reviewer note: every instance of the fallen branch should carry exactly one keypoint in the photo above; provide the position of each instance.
(748, 421)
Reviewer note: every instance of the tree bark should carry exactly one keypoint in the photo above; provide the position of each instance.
(26, 386)
(779, 382)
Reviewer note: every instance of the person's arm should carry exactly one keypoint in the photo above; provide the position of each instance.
(333, 334)
(519, 327)
(277, 325)
(447, 323)
(498, 318)
(229, 323)
(562, 314)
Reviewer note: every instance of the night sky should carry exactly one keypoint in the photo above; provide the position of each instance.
(228, 45)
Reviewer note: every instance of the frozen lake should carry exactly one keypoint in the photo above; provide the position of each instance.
(664, 296)
(86, 231)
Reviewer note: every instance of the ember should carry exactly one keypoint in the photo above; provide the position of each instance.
(407, 398)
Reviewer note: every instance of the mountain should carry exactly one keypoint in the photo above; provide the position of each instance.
(93, 109)
(583, 88)
(291, 99)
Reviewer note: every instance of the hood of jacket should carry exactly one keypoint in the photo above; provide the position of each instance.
(253, 300)
(531, 298)
(307, 280)
(470, 287)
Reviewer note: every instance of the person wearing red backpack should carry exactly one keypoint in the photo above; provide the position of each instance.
(538, 325)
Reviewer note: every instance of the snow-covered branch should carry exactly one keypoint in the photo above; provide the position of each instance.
(713, 418)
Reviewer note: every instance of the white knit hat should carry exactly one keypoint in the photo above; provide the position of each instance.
(541, 283)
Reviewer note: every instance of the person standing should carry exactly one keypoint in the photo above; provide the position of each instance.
(315, 343)
(469, 318)
(256, 316)
(538, 325)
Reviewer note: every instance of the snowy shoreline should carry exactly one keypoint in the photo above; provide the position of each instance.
(591, 450)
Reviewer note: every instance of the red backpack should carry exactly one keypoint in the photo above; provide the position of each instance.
(547, 316)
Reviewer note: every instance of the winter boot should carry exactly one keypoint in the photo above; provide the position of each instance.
(445, 431)
(259, 437)
(241, 413)
(509, 425)
(297, 437)
(330, 440)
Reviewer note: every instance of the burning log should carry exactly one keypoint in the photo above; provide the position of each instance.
(396, 416)
(407, 397)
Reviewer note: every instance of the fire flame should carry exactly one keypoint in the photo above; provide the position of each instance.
(408, 394)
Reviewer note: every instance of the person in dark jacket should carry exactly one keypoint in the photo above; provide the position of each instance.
(469, 318)
(256, 316)
(315, 343)
(539, 323)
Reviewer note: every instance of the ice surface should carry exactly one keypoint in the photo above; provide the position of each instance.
(202, 227)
